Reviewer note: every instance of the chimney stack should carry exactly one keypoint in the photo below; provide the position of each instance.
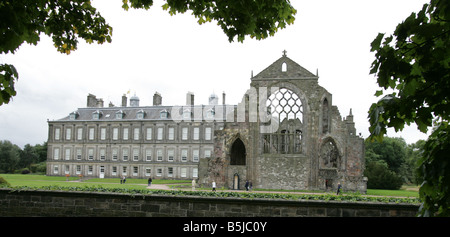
(190, 98)
(124, 100)
(157, 99)
(223, 98)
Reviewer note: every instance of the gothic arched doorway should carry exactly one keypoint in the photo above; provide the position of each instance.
(238, 153)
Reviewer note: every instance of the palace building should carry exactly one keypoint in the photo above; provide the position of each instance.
(284, 134)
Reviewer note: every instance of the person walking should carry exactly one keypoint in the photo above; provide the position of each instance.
(338, 189)
(149, 181)
(214, 186)
(246, 185)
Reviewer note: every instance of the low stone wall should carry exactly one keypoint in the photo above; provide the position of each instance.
(86, 204)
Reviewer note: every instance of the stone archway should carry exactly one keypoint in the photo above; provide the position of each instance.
(238, 153)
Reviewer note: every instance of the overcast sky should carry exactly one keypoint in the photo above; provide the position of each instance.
(153, 51)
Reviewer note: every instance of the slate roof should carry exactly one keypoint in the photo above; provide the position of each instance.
(150, 113)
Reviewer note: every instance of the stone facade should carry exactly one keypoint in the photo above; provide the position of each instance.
(294, 137)
(284, 134)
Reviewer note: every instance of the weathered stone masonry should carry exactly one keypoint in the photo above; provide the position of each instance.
(87, 204)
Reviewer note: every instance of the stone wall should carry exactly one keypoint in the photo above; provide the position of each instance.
(86, 204)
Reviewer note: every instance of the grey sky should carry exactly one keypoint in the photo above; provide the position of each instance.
(153, 51)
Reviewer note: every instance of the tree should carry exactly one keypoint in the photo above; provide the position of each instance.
(66, 21)
(9, 156)
(412, 67)
(391, 150)
(385, 162)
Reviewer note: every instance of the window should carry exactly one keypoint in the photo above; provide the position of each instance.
(120, 114)
(135, 154)
(284, 67)
(124, 170)
(78, 153)
(114, 170)
(79, 133)
(159, 155)
(149, 133)
(125, 133)
(159, 172)
(210, 114)
(102, 133)
(135, 171)
(184, 135)
(195, 173)
(196, 133)
(102, 154)
(57, 133)
(140, 114)
(74, 115)
(136, 134)
(96, 115)
(67, 169)
(68, 133)
(115, 133)
(90, 154)
(55, 169)
(90, 169)
(78, 169)
(125, 154)
(187, 114)
(169, 171)
(195, 155)
(183, 172)
(184, 153)
(171, 133)
(284, 103)
(170, 154)
(115, 153)
(56, 154)
(164, 114)
(67, 154)
(91, 133)
(148, 154)
(208, 133)
(148, 171)
(160, 133)
(207, 153)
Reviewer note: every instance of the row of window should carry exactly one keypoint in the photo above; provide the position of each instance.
(131, 154)
(127, 133)
(124, 171)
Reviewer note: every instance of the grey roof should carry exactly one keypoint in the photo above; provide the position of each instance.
(150, 112)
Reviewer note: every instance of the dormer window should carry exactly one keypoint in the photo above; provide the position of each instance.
(164, 114)
(120, 114)
(97, 114)
(74, 115)
(210, 113)
(140, 114)
(186, 114)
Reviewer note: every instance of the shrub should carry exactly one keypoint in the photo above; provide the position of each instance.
(4, 183)
(380, 177)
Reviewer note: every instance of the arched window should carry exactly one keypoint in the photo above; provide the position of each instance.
(285, 106)
(329, 155)
(238, 153)
(284, 67)
(325, 116)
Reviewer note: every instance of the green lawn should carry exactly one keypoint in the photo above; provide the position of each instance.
(34, 181)
(29, 180)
